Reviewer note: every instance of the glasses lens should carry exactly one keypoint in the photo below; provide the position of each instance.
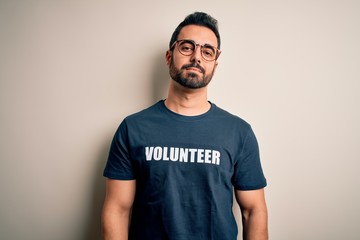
(186, 47)
(208, 52)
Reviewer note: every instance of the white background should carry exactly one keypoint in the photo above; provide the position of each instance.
(70, 71)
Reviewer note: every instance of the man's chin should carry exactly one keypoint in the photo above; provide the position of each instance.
(191, 83)
(192, 75)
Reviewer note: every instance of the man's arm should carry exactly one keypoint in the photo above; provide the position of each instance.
(254, 214)
(117, 207)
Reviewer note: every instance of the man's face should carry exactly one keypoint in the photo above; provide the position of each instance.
(192, 71)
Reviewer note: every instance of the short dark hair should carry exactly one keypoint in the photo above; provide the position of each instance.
(199, 19)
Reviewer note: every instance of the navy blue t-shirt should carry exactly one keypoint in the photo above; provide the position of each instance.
(185, 169)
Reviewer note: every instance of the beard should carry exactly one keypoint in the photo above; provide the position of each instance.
(190, 79)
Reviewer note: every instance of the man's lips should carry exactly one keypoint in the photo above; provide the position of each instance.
(194, 69)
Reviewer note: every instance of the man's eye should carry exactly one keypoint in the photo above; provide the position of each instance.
(208, 52)
(187, 48)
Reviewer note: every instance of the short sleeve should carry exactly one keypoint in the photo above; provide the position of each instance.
(248, 173)
(119, 164)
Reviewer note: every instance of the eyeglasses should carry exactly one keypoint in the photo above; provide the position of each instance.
(187, 47)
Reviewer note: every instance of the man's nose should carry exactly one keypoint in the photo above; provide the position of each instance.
(196, 56)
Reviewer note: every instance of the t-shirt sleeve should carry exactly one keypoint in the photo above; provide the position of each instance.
(119, 164)
(248, 173)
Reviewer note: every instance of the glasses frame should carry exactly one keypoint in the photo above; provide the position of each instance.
(217, 53)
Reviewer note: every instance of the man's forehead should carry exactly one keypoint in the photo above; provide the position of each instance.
(199, 34)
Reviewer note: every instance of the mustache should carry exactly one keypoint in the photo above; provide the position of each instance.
(194, 65)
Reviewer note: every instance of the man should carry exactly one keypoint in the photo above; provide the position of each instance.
(175, 164)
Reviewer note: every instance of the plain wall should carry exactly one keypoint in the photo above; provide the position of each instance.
(70, 71)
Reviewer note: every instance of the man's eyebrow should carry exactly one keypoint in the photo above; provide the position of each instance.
(208, 45)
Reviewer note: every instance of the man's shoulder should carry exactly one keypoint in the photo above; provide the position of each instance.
(150, 111)
(229, 116)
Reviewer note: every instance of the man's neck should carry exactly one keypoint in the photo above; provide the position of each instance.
(188, 102)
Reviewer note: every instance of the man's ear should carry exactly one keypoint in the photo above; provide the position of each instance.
(168, 56)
